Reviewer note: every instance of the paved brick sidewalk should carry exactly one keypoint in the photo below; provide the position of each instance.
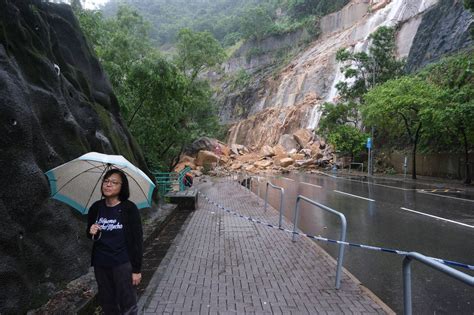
(222, 264)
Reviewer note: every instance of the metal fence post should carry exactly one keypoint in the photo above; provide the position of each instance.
(430, 262)
(282, 193)
(407, 305)
(342, 237)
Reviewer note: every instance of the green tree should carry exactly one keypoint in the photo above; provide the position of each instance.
(164, 107)
(172, 113)
(469, 4)
(348, 140)
(335, 115)
(365, 70)
(301, 8)
(454, 119)
(402, 102)
(197, 51)
(256, 22)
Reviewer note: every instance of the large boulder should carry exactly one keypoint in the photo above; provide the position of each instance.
(279, 151)
(288, 143)
(303, 137)
(203, 143)
(206, 158)
(286, 162)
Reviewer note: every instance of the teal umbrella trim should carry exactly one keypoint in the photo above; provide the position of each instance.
(52, 182)
(72, 203)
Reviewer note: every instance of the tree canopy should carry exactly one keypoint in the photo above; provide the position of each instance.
(227, 20)
(164, 104)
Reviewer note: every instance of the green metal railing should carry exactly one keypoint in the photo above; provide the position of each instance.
(171, 181)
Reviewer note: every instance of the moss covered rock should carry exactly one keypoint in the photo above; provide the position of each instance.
(56, 104)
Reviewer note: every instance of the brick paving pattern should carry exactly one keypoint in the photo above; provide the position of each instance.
(223, 264)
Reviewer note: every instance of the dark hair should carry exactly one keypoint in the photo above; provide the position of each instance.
(124, 193)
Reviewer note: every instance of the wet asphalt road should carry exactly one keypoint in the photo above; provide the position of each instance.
(381, 214)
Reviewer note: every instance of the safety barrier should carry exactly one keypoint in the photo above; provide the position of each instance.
(323, 239)
(169, 181)
(433, 264)
(282, 197)
(342, 238)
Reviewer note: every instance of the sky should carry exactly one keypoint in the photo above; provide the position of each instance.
(93, 4)
(88, 4)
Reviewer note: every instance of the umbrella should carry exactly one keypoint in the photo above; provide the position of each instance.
(78, 182)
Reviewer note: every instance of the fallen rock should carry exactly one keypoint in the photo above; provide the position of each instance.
(206, 158)
(267, 151)
(279, 150)
(182, 165)
(236, 166)
(203, 143)
(297, 156)
(303, 137)
(224, 149)
(286, 162)
(306, 152)
(288, 143)
(305, 163)
(237, 149)
(250, 168)
(263, 163)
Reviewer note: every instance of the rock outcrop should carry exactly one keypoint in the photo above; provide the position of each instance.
(56, 104)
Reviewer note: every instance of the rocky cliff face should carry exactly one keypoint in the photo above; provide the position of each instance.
(443, 30)
(436, 27)
(56, 104)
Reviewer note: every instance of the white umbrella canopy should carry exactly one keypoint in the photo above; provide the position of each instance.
(78, 182)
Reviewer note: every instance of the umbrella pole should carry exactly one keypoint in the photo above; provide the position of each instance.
(106, 169)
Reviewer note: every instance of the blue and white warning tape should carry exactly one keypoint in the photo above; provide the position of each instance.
(323, 239)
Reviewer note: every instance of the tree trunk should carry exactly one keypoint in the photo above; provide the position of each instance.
(467, 180)
(413, 170)
(415, 144)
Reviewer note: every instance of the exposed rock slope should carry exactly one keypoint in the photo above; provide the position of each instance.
(56, 104)
(436, 27)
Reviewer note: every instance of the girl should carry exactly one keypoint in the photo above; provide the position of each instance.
(115, 226)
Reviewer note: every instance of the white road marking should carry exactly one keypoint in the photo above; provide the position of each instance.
(439, 218)
(450, 197)
(288, 179)
(344, 193)
(317, 186)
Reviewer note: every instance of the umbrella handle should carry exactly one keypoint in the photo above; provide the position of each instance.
(100, 233)
(93, 236)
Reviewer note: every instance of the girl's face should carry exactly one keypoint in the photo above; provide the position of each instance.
(111, 186)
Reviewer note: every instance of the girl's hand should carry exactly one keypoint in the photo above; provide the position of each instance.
(95, 228)
(136, 278)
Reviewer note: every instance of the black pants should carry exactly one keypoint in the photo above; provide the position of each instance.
(117, 295)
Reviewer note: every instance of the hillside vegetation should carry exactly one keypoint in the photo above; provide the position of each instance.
(228, 20)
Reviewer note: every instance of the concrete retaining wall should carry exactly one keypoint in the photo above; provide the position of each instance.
(437, 165)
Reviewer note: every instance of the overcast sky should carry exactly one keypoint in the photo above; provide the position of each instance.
(88, 4)
(93, 4)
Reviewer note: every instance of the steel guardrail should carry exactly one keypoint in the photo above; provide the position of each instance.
(430, 262)
(341, 239)
(282, 197)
